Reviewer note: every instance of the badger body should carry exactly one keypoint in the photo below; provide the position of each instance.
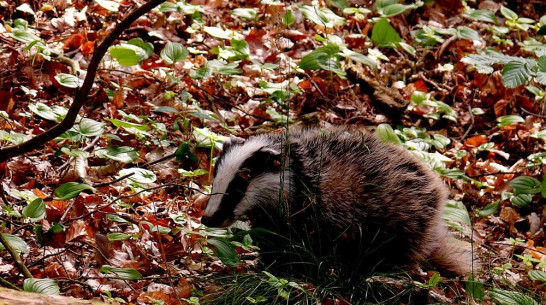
(340, 191)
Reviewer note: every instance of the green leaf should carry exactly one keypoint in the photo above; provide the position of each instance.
(521, 200)
(322, 16)
(525, 185)
(541, 70)
(505, 297)
(195, 173)
(340, 4)
(453, 173)
(288, 19)
(90, 128)
(381, 4)
(384, 35)
(434, 280)
(456, 212)
(483, 15)
(537, 275)
(245, 13)
(125, 124)
(543, 188)
(173, 52)
(76, 153)
(55, 113)
(238, 50)
(489, 209)
(56, 228)
(468, 33)
(475, 289)
(395, 9)
(515, 74)
(35, 210)
(408, 48)
(507, 120)
(68, 80)
(122, 273)
(109, 5)
(165, 109)
(185, 151)
(25, 36)
(140, 175)
(124, 154)
(363, 59)
(20, 23)
(148, 47)
(71, 190)
(115, 218)
(218, 32)
(387, 134)
(16, 243)
(128, 54)
(207, 138)
(508, 13)
(319, 58)
(118, 236)
(43, 286)
(226, 252)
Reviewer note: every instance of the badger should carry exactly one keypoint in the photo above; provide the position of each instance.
(341, 191)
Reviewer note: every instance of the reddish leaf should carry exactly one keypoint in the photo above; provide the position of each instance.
(74, 42)
(475, 141)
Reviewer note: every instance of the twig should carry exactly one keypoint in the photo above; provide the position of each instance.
(88, 147)
(39, 261)
(113, 181)
(444, 46)
(15, 255)
(471, 123)
(159, 160)
(531, 113)
(492, 174)
(133, 74)
(3, 194)
(83, 92)
(8, 284)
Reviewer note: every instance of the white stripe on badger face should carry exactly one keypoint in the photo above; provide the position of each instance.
(233, 160)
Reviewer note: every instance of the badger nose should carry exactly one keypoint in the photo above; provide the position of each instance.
(207, 221)
(212, 221)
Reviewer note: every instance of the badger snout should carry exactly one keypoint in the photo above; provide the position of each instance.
(213, 215)
(210, 221)
(214, 221)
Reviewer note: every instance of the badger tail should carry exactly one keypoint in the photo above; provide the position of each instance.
(455, 256)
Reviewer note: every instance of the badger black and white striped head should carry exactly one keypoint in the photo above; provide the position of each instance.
(247, 173)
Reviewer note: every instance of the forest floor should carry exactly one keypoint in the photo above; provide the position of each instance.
(111, 208)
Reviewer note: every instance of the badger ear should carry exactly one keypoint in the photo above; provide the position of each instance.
(232, 141)
(270, 158)
(270, 151)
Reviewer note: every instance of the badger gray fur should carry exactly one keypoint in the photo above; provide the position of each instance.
(342, 191)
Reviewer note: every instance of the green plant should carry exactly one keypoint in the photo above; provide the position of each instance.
(514, 21)
(517, 70)
(429, 35)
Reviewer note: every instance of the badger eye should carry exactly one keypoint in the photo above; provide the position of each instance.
(244, 173)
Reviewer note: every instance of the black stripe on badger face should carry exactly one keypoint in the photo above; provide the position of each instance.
(262, 161)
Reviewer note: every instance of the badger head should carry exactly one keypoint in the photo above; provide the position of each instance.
(247, 173)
